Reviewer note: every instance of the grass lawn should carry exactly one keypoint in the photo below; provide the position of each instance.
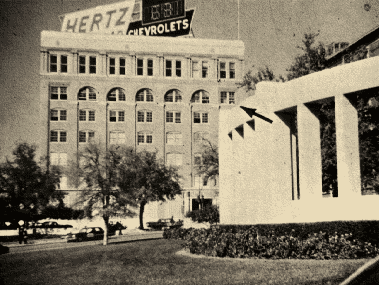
(156, 262)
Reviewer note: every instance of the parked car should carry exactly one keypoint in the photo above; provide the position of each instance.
(91, 233)
(3, 249)
(165, 223)
(113, 228)
(52, 224)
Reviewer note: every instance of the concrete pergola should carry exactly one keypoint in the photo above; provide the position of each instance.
(262, 175)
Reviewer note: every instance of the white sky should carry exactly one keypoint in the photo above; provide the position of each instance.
(270, 29)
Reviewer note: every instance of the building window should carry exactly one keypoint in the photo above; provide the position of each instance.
(82, 64)
(144, 95)
(86, 136)
(150, 69)
(200, 97)
(92, 65)
(174, 159)
(112, 65)
(117, 116)
(195, 69)
(145, 116)
(116, 94)
(222, 69)
(145, 138)
(122, 66)
(87, 93)
(117, 138)
(200, 118)
(178, 68)
(173, 96)
(58, 93)
(168, 68)
(58, 136)
(59, 159)
(53, 63)
(139, 67)
(58, 115)
(204, 69)
(199, 137)
(196, 66)
(87, 60)
(232, 70)
(174, 138)
(173, 117)
(87, 115)
(227, 98)
(58, 61)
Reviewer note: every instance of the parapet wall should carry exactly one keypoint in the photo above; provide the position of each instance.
(270, 168)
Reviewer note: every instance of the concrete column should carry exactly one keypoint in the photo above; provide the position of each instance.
(43, 61)
(103, 63)
(74, 68)
(132, 66)
(310, 167)
(188, 66)
(347, 141)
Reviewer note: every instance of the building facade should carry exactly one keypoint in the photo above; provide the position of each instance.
(153, 93)
(270, 150)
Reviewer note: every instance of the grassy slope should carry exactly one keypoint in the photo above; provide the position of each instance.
(155, 262)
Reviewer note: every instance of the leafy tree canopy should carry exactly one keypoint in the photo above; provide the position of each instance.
(27, 187)
(149, 179)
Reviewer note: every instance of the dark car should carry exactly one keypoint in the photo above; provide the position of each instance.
(3, 249)
(91, 233)
(53, 225)
(165, 223)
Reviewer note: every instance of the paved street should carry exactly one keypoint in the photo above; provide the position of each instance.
(57, 243)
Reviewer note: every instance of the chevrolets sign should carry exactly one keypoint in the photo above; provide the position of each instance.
(107, 19)
(169, 28)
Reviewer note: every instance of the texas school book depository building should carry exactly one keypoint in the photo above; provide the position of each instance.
(146, 92)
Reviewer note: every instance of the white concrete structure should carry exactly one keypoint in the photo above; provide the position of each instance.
(262, 176)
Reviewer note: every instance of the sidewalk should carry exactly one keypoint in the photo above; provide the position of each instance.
(127, 235)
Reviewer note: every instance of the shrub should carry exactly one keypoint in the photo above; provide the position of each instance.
(209, 214)
(176, 233)
(248, 243)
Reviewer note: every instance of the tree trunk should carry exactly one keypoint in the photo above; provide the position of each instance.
(106, 222)
(141, 210)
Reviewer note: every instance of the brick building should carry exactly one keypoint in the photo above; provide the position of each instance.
(153, 93)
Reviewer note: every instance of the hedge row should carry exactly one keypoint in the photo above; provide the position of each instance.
(269, 242)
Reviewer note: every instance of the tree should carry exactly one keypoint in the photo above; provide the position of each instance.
(97, 174)
(264, 74)
(27, 187)
(149, 179)
(312, 58)
(209, 168)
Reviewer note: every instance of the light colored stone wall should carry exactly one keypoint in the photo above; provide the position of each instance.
(260, 174)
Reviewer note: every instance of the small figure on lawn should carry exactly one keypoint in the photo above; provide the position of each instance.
(22, 234)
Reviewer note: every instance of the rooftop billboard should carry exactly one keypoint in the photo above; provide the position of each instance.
(106, 19)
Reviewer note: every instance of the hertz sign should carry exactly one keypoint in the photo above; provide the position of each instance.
(163, 18)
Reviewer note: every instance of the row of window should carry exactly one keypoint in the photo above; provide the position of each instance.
(144, 95)
(87, 64)
(143, 116)
(174, 159)
(118, 137)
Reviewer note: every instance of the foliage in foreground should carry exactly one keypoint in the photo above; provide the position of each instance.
(247, 243)
(208, 214)
(27, 187)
